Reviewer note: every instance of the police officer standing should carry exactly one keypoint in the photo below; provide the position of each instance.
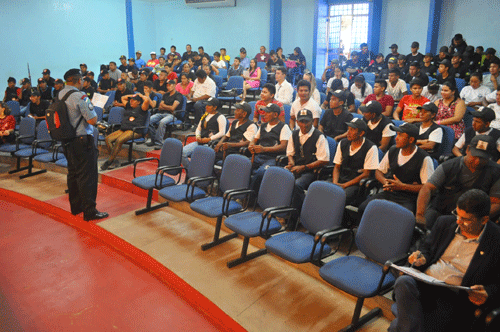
(81, 152)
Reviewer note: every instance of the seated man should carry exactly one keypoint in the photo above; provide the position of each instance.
(121, 90)
(91, 75)
(266, 97)
(218, 62)
(442, 55)
(171, 75)
(160, 85)
(153, 61)
(452, 178)
(495, 106)
(428, 68)
(58, 86)
(114, 72)
(430, 133)
(307, 150)
(415, 55)
(126, 79)
(396, 87)
(211, 127)
(270, 141)
(415, 72)
(481, 121)
(275, 62)
(106, 84)
(402, 66)
(458, 69)
(394, 53)
(284, 90)
(407, 109)
(492, 80)
(45, 90)
(171, 102)
(379, 95)
(334, 121)
(304, 101)
(25, 95)
(38, 106)
(377, 66)
(236, 69)
(403, 170)
(444, 72)
(262, 56)
(355, 159)
(140, 63)
(353, 66)
(203, 89)
(461, 250)
(240, 134)
(123, 64)
(489, 57)
(160, 66)
(379, 126)
(47, 78)
(392, 63)
(143, 78)
(135, 115)
(87, 87)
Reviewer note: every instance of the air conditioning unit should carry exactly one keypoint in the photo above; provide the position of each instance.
(210, 3)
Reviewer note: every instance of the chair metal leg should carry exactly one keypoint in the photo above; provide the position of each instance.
(129, 160)
(148, 207)
(18, 167)
(244, 257)
(30, 173)
(357, 321)
(218, 240)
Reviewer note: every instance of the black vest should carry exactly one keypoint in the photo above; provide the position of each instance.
(305, 154)
(408, 172)
(469, 135)
(236, 134)
(375, 135)
(211, 126)
(452, 189)
(272, 137)
(352, 164)
(434, 153)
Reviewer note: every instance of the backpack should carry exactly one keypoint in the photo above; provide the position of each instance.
(58, 122)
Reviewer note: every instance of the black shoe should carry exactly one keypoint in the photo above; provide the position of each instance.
(75, 213)
(150, 143)
(95, 216)
(106, 165)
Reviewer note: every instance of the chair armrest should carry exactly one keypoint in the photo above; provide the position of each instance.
(401, 259)
(21, 137)
(35, 144)
(192, 183)
(269, 213)
(136, 131)
(317, 238)
(281, 159)
(327, 169)
(141, 160)
(249, 193)
(228, 194)
(115, 125)
(244, 151)
(162, 169)
(186, 138)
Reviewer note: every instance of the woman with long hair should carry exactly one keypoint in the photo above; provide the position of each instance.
(451, 109)
(252, 80)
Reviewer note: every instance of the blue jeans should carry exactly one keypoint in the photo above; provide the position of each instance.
(301, 185)
(187, 152)
(262, 163)
(163, 119)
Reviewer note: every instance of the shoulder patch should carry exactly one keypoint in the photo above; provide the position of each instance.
(87, 101)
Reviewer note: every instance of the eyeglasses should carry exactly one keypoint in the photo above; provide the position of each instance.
(467, 220)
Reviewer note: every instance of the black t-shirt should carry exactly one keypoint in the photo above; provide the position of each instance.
(138, 115)
(169, 100)
(270, 63)
(46, 94)
(119, 94)
(349, 99)
(139, 86)
(334, 125)
(429, 71)
(25, 97)
(107, 84)
(51, 82)
(11, 93)
(423, 77)
(94, 85)
(89, 91)
(39, 110)
(158, 87)
(124, 68)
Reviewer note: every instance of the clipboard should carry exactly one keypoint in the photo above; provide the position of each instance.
(418, 275)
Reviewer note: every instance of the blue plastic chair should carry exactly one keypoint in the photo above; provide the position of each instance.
(201, 166)
(460, 84)
(223, 74)
(357, 103)
(322, 97)
(218, 81)
(321, 213)
(275, 192)
(26, 136)
(236, 83)
(170, 156)
(252, 105)
(320, 86)
(384, 234)
(142, 131)
(235, 176)
(447, 143)
(114, 119)
(111, 99)
(397, 123)
(287, 108)
(99, 112)
(261, 64)
(369, 78)
(16, 109)
(40, 145)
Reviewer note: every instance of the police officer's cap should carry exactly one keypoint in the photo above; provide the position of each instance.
(71, 72)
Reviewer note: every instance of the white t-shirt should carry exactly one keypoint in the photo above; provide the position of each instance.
(491, 97)
(495, 123)
(345, 82)
(425, 171)
(206, 88)
(435, 136)
(397, 91)
(432, 98)
(284, 134)
(461, 141)
(219, 64)
(357, 92)
(470, 95)
(311, 105)
(371, 158)
(322, 150)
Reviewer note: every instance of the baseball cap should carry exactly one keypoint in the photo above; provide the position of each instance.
(46, 72)
(272, 108)
(457, 54)
(304, 115)
(213, 102)
(415, 64)
(490, 50)
(87, 79)
(401, 57)
(83, 65)
(153, 53)
(25, 81)
(90, 73)
(339, 94)
(458, 37)
(485, 113)
(407, 128)
(429, 106)
(482, 146)
(358, 123)
(394, 46)
(138, 52)
(444, 49)
(123, 57)
(244, 106)
(171, 82)
(41, 80)
(144, 72)
(104, 72)
(35, 92)
(433, 85)
(415, 44)
(429, 54)
(393, 60)
(59, 81)
(372, 106)
(446, 62)
(120, 81)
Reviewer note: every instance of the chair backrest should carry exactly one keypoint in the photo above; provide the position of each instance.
(332, 147)
(109, 102)
(287, 108)
(15, 107)
(217, 80)
(468, 116)
(223, 73)
(263, 77)
(319, 85)
(42, 133)
(323, 207)
(115, 115)
(27, 127)
(369, 78)
(236, 172)
(252, 105)
(408, 88)
(146, 124)
(397, 123)
(234, 82)
(261, 65)
(99, 112)
(276, 188)
(385, 230)
(357, 103)
(447, 141)
(202, 162)
(171, 154)
(460, 84)
(322, 97)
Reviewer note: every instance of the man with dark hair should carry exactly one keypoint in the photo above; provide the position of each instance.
(379, 95)
(45, 90)
(458, 44)
(140, 63)
(396, 87)
(353, 66)
(81, 151)
(46, 77)
(458, 69)
(428, 68)
(12, 92)
(404, 169)
(188, 54)
(83, 69)
(124, 68)
(173, 51)
(402, 65)
(489, 57)
(240, 133)
(267, 96)
(160, 85)
(236, 69)
(394, 53)
(365, 56)
(415, 72)
(443, 72)
(355, 159)
(217, 62)
(441, 56)
(24, 98)
(430, 134)
(143, 78)
(284, 90)
(452, 178)
(87, 87)
(245, 61)
(160, 66)
(153, 61)
(93, 83)
(58, 86)
(203, 89)
(492, 80)
(336, 117)
(114, 72)
(121, 90)
(162, 53)
(38, 106)
(461, 250)
(415, 55)
(262, 56)
(304, 101)
(379, 129)
(106, 84)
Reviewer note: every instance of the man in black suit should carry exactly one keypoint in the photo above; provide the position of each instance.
(461, 250)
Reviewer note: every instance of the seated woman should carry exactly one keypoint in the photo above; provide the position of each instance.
(407, 109)
(379, 95)
(252, 81)
(185, 85)
(279, 53)
(190, 73)
(339, 75)
(314, 94)
(349, 97)
(451, 109)
(360, 89)
(7, 124)
(300, 62)
(205, 61)
(136, 107)
(474, 94)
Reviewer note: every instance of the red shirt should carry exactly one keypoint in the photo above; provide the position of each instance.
(7, 123)
(409, 106)
(385, 101)
(262, 104)
(172, 76)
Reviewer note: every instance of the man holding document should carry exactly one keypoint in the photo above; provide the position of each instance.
(462, 250)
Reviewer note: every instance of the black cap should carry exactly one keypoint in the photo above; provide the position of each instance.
(59, 81)
(35, 92)
(11, 79)
(358, 123)
(243, 50)
(490, 50)
(393, 46)
(171, 82)
(46, 72)
(353, 53)
(372, 106)
(482, 146)
(83, 65)
(485, 113)
(87, 79)
(433, 85)
(41, 80)
(244, 106)
(120, 81)
(123, 57)
(407, 128)
(457, 54)
(444, 49)
(429, 106)
(415, 64)
(71, 72)
(401, 57)
(272, 108)
(393, 60)
(104, 72)
(446, 62)
(213, 102)
(304, 114)
(144, 72)
(90, 73)
(339, 94)
(458, 37)
(415, 44)
(25, 81)
(137, 97)
(429, 54)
